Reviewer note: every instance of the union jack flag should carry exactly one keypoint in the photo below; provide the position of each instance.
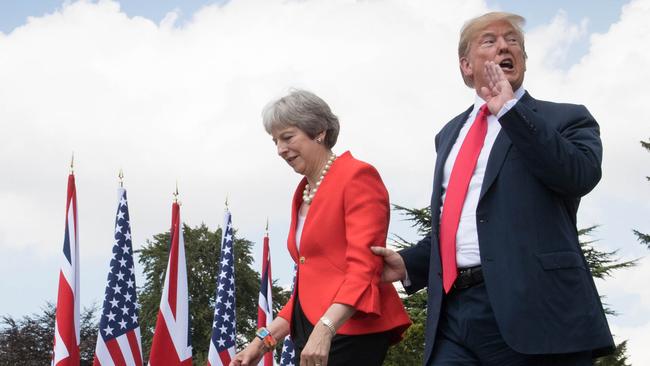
(118, 342)
(222, 344)
(288, 356)
(265, 302)
(171, 340)
(66, 324)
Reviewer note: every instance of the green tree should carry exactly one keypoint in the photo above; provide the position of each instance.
(203, 252)
(644, 239)
(29, 340)
(409, 351)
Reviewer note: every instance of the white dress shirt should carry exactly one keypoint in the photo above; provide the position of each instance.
(467, 246)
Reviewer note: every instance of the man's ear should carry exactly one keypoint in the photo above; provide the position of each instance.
(466, 67)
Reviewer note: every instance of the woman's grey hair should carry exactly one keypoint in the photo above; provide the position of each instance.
(303, 110)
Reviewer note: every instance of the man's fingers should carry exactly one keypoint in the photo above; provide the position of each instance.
(384, 252)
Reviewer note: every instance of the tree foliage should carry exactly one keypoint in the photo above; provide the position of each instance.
(409, 351)
(29, 340)
(644, 239)
(203, 252)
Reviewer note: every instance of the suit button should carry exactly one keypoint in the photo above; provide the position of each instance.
(302, 260)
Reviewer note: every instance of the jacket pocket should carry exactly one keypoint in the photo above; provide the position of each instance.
(560, 260)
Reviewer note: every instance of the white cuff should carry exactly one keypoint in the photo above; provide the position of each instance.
(506, 107)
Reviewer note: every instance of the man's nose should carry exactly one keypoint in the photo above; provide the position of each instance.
(502, 44)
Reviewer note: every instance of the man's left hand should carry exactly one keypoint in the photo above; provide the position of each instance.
(499, 90)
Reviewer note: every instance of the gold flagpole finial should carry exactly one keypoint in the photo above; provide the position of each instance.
(226, 202)
(120, 175)
(72, 164)
(176, 193)
(267, 226)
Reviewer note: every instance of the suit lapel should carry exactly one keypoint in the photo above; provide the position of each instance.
(446, 143)
(297, 200)
(499, 152)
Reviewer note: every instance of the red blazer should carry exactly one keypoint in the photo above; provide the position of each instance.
(349, 214)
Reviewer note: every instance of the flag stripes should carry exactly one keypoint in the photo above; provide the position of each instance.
(66, 323)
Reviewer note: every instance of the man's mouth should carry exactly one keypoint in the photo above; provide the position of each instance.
(290, 159)
(506, 65)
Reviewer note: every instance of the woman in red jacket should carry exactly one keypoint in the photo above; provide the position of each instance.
(340, 312)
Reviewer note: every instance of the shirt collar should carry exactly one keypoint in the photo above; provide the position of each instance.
(478, 101)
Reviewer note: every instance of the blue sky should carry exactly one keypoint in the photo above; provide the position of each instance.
(182, 100)
(601, 14)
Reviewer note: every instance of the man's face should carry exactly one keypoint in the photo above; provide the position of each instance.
(498, 42)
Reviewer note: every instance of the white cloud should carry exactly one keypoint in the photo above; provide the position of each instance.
(170, 102)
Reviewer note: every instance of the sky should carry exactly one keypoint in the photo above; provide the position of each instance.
(172, 91)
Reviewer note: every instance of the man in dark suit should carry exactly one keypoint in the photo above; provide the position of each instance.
(507, 281)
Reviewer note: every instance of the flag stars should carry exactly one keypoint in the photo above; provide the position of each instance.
(118, 229)
(122, 202)
(108, 330)
(114, 302)
(111, 316)
(122, 262)
(127, 297)
(122, 324)
(117, 289)
(125, 310)
(130, 283)
(126, 249)
(120, 215)
(120, 276)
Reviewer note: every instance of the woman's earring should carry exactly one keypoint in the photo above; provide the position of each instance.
(319, 140)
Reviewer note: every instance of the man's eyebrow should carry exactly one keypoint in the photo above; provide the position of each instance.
(486, 34)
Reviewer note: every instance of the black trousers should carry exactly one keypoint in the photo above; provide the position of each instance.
(365, 349)
(468, 335)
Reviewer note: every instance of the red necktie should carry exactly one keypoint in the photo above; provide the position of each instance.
(461, 174)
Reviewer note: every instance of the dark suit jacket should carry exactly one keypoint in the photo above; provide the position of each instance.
(544, 159)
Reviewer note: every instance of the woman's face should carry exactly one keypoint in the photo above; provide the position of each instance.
(297, 149)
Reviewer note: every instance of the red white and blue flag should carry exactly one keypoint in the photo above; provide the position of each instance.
(66, 324)
(118, 342)
(222, 343)
(265, 302)
(171, 339)
(288, 356)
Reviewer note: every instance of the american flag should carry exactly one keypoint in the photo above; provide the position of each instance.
(66, 324)
(171, 340)
(265, 302)
(288, 356)
(118, 342)
(222, 344)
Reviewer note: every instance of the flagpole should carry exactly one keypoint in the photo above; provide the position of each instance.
(72, 164)
(120, 176)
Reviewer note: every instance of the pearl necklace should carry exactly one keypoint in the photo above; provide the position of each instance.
(308, 194)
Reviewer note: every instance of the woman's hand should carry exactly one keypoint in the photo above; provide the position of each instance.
(317, 349)
(251, 355)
